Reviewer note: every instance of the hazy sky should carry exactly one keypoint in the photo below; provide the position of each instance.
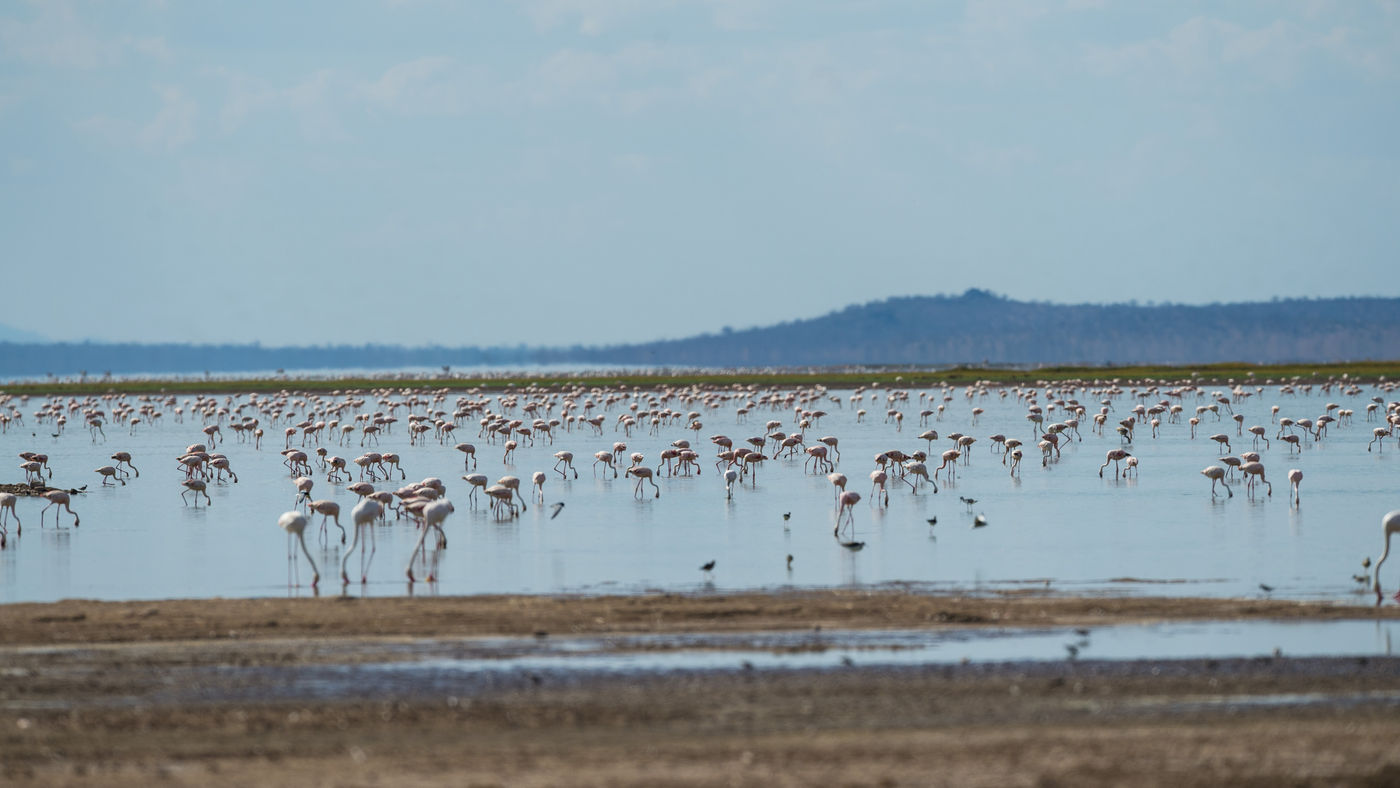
(596, 171)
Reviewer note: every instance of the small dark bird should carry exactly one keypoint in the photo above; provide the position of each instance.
(847, 661)
(853, 546)
(980, 521)
(1366, 562)
(1084, 633)
(1363, 579)
(558, 507)
(968, 501)
(1072, 649)
(787, 515)
(707, 566)
(789, 560)
(933, 520)
(1265, 588)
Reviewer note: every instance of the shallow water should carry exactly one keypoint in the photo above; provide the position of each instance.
(453, 667)
(1060, 527)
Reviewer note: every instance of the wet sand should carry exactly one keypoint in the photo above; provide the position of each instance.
(100, 693)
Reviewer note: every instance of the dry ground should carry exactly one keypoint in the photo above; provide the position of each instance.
(95, 693)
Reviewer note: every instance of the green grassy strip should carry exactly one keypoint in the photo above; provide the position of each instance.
(832, 377)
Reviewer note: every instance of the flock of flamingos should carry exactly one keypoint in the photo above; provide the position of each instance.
(529, 420)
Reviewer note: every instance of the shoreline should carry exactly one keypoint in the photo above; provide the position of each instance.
(276, 692)
(1212, 374)
(223, 619)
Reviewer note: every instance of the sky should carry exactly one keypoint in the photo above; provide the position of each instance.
(558, 172)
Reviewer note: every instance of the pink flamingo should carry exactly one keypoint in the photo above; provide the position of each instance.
(1251, 470)
(1390, 524)
(877, 483)
(198, 487)
(329, 510)
(917, 470)
(838, 480)
(605, 457)
(643, 474)
(57, 498)
(477, 481)
(434, 514)
(303, 485)
(1216, 474)
(1114, 456)
(950, 461)
(512, 483)
(7, 508)
(847, 506)
(294, 523)
(363, 516)
(109, 472)
(1295, 479)
(566, 459)
(124, 458)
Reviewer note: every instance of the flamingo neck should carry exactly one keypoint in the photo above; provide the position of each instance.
(1376, 573)
(315, 573)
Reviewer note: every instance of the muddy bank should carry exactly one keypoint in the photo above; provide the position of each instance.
(35, 489)
(135, 693)
(85, 621)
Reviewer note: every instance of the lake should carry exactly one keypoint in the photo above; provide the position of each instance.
(1059, 527)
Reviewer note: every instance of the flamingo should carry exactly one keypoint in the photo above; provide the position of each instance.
(918, 470)
(1113, 456)
(303, 485)
(329, 510)
(57, 498)
(537, 479)
(1252, 469)
(950, 461)
(108, 472)
(124, 458)
(434, 514)
(849, 499)
(838, 480)
(363, 516)
(1259, 435)
(7, 508)
(643, 474)
(1390, 524)
(198, 487)
(478, 481)
(1295, 479)
(294, 523)
(1216, 474)
(512, 483)
(501, 498)
(566, 459)
(470, 452)
(605, 457)
(730, 476)
(877, 483)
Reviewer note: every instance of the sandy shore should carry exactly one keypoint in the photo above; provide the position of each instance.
(134, 693)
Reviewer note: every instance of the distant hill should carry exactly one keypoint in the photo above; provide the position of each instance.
(972, 328)
(12, 334)
(979, 326)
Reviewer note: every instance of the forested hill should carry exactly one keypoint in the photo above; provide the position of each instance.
(978, 326)
(973, 328)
